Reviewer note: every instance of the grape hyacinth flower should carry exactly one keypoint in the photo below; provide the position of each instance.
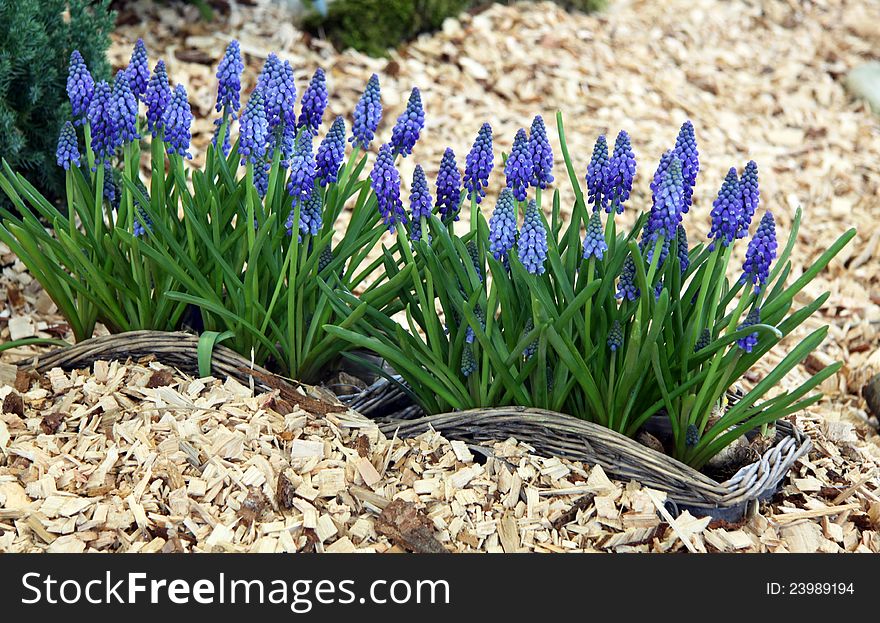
(326, 257)
(615, 335)
(157, 98)
(448, 187)
(748, 342)
(468, 362)
(682, 243)
(302, 169)
(409, 125)
(262, 169)
(665, 215)
(331, 151)
(518, 168)
(686, 151)
(125, 107)
(67, 152)
(594, 241)
(502, 226)
(138, 227)
(474, 254)
(540, 154)
(138, 71)
(478, 164)
(420, 203)
(727, 211)
(703, 341)
(532, 242)
(761, 253)
(102, 120)
(111, 186)
(314, 102)
(367, 114)
(253, 129)
(748, 183)
(229, 80)
(626, 286)
(597, 195)
(692, 436)
(532, 347)
(619, 174)
(276, 83)
(177, 120)
(227, 143)
(662, 166)
(80, 87)
(385, 182)
(310, 215)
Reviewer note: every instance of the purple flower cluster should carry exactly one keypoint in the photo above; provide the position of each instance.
(478, 164)
(385, 182)
(540, 154)
(276, 83)
(532, 244)
(596, 174)
(138, 71)
(502, 226)
(367, 114)
(620, 173)
(518, 168)
(615, 336)
(253, 129)
(80, 87)
(331, 152)
(686, 151)
(594, 241)
(67, 152)
(177, 120)
(310, 215)
(468, 362)
(727, 211)
(748, 183)
(682, 244)
(665, 214)
(420, 203)
(125, 107)
(409, 125)
(748, 342)
(314, 102)
(761, 253)
(157, 98)
(626, 286)
(229, 80)
(448, 187)
(302, 168)
(102, 120)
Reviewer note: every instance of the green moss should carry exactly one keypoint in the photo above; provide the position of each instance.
(35, 45)
(374, 26)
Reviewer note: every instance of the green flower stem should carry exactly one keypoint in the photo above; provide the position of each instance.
(292, 285)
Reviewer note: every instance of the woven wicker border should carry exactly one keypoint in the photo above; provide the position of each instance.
(549, 433)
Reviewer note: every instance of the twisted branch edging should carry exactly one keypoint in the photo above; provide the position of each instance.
(549, 433)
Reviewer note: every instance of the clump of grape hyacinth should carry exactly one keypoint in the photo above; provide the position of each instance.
(138, 71)
(748, 183)
(276, 83)
(103, 122)
(478, 164)
(330, 154)
(385, 182)
(518, 168)
(619, 174)
(302, 168)
(80, 87)
(448, 187)
(761, 253)
(177, 121)
(157, 98)
(540, 154)
(229, 80)
(727, 211)
(686, 151)
(532, 244)
(615, 336)
(748, 342)
(594, 241)
(314, 102)
(502, 226)
(596, 170)
(67, 152)
(420, 203)
(409, 125)
(367, 114)
(125, 108)
(253, 129)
